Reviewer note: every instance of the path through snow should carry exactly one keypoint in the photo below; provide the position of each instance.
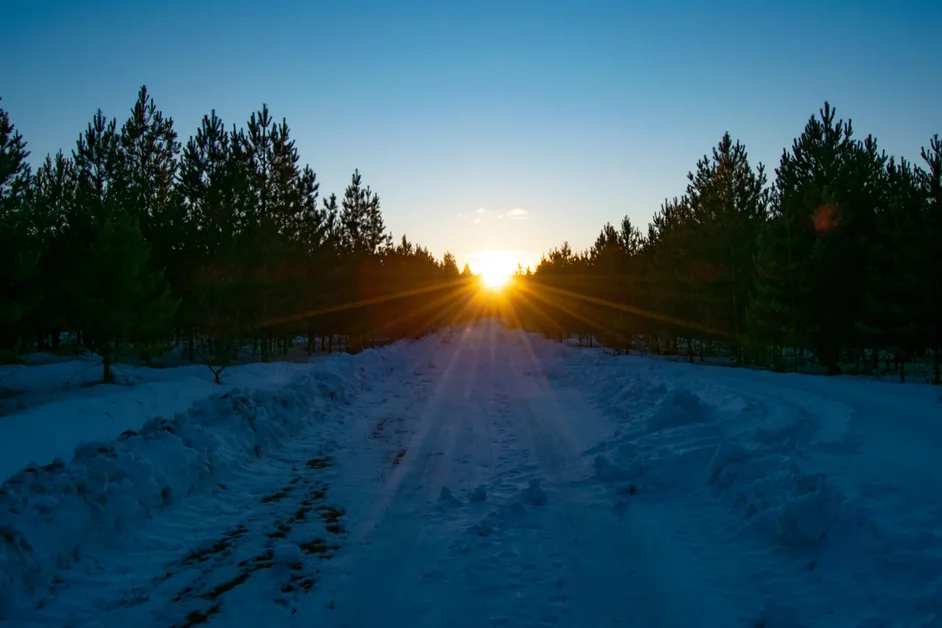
(480, 480)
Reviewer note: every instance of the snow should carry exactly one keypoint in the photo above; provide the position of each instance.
(61, 401)
(488, 477)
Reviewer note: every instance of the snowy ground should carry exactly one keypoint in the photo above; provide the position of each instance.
(490, 478)
(64, 401)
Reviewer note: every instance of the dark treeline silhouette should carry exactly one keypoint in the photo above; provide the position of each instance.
(838, 258)
(136, 242)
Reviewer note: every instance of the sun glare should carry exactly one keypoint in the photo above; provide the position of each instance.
(495, 278)
(495, 268)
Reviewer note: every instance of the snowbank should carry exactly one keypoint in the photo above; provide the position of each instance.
(834, 478)
(53, 515)
(53, 407)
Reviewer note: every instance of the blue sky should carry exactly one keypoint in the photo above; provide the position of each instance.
(572, 113)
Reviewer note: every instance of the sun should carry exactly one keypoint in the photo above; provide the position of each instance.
(495, 268)
(495, 278)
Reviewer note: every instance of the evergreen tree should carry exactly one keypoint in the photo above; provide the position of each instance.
(806, 292)
(19, 257)
(364, 232)
(121, 296)
(729, 204)
(54, 199)
(931, 182)
(115, 292)
(212, 302)
(150, 151)
(450, 266)
(893, 316)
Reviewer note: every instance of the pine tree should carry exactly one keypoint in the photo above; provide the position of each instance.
(115, 292)
(806, 292)
(54, 199)
(931, 183)
(207, 185)
(19, 255)
(450, 266)
(669, 278)
(364, 232)
(894, 310)
(729, 205)
(150, 151)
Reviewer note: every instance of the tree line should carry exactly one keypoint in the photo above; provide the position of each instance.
(137, 242)
(838, 258)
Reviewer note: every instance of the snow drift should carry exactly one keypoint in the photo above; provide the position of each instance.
(52, 516)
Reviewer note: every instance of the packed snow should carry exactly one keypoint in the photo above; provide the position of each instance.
(481, 476)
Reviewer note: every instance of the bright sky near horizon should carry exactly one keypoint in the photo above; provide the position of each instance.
(488, 125)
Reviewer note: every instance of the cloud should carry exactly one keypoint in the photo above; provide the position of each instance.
(482, 213)
(517, 213)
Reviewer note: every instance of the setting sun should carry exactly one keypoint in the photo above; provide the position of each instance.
(495, 268)
(495, 278)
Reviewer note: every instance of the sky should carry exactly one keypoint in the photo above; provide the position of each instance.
(509, 125)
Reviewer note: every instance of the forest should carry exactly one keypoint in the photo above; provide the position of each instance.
(836, 260)
(135, 242)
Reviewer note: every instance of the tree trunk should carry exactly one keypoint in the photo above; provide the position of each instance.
(106, 358)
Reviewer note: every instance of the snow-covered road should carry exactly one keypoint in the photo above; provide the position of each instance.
(487, 477)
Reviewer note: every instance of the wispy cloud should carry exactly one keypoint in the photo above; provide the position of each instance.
(483, 213)
(518, 213)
